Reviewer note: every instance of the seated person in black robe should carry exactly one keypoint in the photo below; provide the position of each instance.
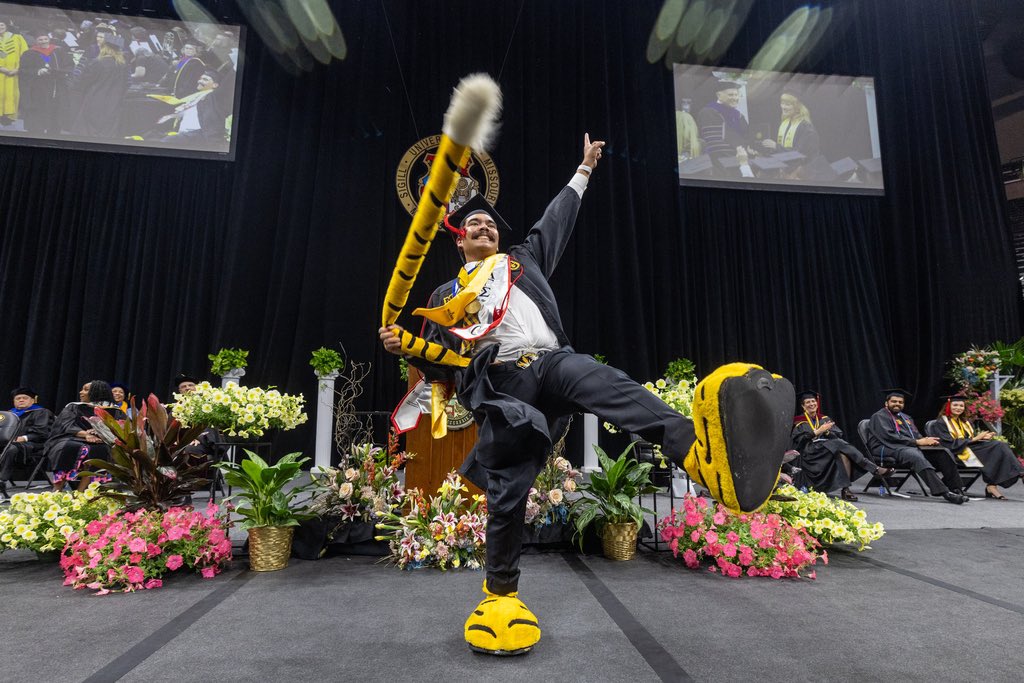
(893, 436)
(999, 466)
(73, 440)
(34, 423)
(825, 456)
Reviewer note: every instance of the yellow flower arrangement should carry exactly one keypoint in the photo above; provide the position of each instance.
(830, 520)
(42, 521)
(239, 411)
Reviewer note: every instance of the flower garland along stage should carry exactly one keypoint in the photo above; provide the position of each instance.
(447, 531)
(42, 522)
(244, 412)
(129, 551)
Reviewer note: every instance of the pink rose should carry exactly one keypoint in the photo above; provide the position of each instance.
(174, 562)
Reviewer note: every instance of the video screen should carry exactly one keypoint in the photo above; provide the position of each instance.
(782, 131)
(112, 82)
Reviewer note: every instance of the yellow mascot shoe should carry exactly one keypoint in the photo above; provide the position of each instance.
(742, 415)
(501, 625)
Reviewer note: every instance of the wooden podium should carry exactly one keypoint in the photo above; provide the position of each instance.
(435, 458)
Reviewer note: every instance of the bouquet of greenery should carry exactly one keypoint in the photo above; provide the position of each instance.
(363, 486)
(830, 520)
(42, 521)
(547, 503)
(446, 531)
(239, 411)
(129, 551)
(755, 544)
(226, 360)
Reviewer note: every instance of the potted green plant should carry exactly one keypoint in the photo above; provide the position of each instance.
(229, 363)
(267, 508)
(150, 464)
(610, 501)
(325, 361)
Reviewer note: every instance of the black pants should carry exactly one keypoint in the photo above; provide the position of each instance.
(558, 384)
(925, 461)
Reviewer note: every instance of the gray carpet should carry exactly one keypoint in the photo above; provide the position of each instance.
(941, 597)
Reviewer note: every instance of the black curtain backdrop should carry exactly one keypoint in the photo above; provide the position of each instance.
(134, 268)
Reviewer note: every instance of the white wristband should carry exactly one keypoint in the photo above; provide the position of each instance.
(586, 169)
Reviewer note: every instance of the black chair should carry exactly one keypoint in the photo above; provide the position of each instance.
(969, 475)
(897, 477)
(10, 429)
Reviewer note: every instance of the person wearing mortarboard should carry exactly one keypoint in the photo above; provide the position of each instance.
(977, 447)
(102, 83)
(893, 435)
(524, 379)
(44, 71)
(825, 456)
(34, 422)
(724, 129)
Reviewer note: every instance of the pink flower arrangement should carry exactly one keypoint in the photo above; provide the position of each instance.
(129, 551)
(755, 544)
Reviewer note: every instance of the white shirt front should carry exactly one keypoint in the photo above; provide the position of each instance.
(522, 329)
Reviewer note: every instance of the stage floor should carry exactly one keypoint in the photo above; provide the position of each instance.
(940, 597)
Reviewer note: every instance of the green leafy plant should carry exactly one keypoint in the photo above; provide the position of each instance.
(609, 497)
(262, 490)
(149, 466)
(227, 360)
(601, 358)
(403, 368)
(325, 361)
(1011, 356)
(680, 370)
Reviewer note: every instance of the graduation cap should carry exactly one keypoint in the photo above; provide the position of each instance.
(474, 205)
(767, 163)
(722, 84)
(696, 165)
(844, 166)
(790, 156)
(902, 393)
(954, 397)
(873, 165)
(24, 391)
(181, 377)
(806, 394)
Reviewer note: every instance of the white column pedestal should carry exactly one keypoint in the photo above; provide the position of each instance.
(590, 427)
(324, 418)
(231, 377)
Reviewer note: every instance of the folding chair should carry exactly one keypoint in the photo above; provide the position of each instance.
(899, 475)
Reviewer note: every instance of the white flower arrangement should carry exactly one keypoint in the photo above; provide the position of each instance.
(239, 411)
(42, 521)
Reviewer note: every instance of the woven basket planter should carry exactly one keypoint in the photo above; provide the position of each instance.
(619, 541)
(270, 547)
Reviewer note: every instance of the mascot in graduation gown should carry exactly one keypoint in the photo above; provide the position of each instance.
(741, 413)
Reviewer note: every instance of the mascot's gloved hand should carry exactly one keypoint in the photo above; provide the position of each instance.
(742, 415)
(501, 625)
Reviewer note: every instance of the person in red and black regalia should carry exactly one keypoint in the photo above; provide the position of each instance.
(825, 457)
(999, 466)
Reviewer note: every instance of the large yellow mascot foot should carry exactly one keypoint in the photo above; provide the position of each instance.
(742, 415)
(501, 625)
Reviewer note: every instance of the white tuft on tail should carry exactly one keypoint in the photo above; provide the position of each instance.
(472, 116)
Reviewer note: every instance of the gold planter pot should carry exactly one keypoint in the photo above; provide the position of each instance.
(270, 547)
(619, 541)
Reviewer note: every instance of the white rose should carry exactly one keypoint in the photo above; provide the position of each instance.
(555, 496)
(570, 485)
(345, 490)
(351, 474)
(562, 464)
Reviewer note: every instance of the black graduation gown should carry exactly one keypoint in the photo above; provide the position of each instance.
(42, 96)
(103, 84)
(821, 468)
(999, 465)
(184, 80)
(63, 448)
(35, 424)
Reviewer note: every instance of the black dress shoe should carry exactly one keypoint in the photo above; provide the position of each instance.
(846, 494)
(954, 498)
